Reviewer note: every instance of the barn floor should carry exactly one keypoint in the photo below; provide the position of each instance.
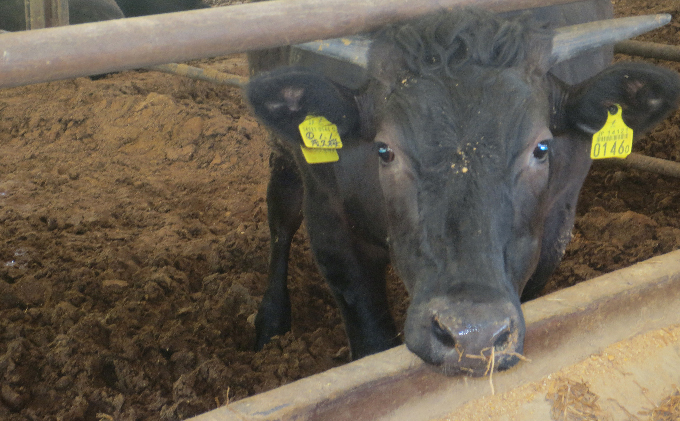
(133, 246)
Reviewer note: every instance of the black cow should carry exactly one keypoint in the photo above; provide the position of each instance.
(462, 160)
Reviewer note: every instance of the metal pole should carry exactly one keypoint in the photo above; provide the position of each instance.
(208, 75)
(637, 161)
(80, 50)
(648, 50)
(59, 15)
(35, 14)
(46, 13)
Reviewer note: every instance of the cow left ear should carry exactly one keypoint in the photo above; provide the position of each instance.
(282, 99)
(645, 93)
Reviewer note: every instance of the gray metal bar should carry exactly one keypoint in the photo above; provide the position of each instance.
(60, 14)
(648, 50)
(80, 50)
(208, 75)
(640, 162)
(35, 14)
(46, 13)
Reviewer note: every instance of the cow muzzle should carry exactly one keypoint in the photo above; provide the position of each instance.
(467, 335)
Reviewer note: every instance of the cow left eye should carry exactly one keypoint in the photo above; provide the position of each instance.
(541, 150)
(385, 153)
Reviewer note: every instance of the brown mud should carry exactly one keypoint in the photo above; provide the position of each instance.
(134, 246)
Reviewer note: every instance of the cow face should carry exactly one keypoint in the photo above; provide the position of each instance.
(469, 124)
(464, 145)
(475, 143)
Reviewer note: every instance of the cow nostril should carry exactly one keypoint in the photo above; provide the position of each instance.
(442, 334)
(502, 341)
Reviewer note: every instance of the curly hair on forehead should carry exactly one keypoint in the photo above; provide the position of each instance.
(445, 41)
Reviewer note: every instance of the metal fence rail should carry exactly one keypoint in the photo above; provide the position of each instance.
(80, 50)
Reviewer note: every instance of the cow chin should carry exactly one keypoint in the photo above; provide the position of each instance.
(466, 334)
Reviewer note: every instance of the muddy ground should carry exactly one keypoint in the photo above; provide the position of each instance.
(134, 242)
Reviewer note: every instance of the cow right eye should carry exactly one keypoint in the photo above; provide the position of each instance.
(541, 150)
(385, 153)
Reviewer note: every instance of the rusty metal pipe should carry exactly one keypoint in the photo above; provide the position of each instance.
(648, 50)
(95, 48)
(208, 75)
(640, 162)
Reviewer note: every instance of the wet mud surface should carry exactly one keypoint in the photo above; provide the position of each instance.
(134, 246)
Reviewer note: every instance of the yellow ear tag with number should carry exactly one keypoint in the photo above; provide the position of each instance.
(614, 140)
(321, 139)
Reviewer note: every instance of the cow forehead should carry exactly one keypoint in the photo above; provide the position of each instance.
(445, 43)
(490, 118)
(466, 79)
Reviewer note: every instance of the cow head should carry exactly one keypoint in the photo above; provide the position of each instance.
(475, 142)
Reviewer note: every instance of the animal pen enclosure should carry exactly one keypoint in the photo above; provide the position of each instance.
(134, 249)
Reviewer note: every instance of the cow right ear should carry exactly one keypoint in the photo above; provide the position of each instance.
(646, 93)
(282, 99)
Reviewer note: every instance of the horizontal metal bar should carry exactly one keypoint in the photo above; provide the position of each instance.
(641, 162)
(95, 48)
(208, 75)
(648, 50)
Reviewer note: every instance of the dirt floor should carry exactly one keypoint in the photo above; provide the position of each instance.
(134, 246)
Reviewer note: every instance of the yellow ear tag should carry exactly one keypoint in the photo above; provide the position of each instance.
(321, 140)
(319, 156)
(614, 140)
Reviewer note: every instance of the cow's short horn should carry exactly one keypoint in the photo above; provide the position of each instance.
(352, 49)
(571, 41)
